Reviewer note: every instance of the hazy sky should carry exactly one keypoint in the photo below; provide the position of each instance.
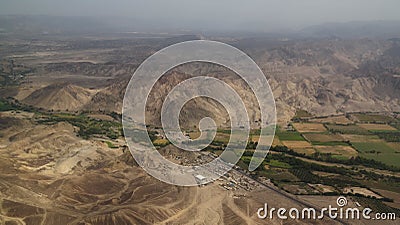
(264, 14)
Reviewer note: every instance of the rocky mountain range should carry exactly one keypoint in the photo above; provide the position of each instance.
(323, 76)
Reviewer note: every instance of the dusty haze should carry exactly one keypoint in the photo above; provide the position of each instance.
(254, 15)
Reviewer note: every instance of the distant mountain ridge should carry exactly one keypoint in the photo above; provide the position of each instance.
(40, 24)
(44, 24)
(355, 29)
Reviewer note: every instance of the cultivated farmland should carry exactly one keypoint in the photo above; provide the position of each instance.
(309, 127)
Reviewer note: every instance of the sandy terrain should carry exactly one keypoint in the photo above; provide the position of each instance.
(392, 195)
(50, 176)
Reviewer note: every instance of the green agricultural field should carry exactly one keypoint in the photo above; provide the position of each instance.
(330, 143)
(222, 137)
(337, 151)
(397, 125)
(289, 136)
(302, 114)
(110, 145)
(340, 157)
(4, 106)
(283, 176)
(361, 138)
(392, 136)
(373, 118)
(279, 164)
(377, 146)
(377, 127)
(347, 129)
(87, 126)
(379, 151)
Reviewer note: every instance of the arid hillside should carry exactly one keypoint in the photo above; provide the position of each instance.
(324, 76)
(64, 160)
(49, 175)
